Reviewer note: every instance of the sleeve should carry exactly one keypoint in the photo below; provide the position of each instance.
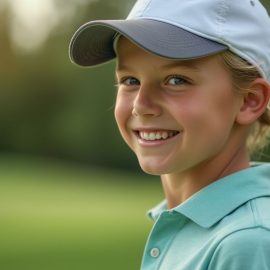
(247, 249)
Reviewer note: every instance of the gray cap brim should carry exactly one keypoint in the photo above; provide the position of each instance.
(92, 44)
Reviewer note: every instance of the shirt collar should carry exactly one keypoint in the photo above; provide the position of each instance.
(215, 201)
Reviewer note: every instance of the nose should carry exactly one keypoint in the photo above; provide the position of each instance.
(146, 102)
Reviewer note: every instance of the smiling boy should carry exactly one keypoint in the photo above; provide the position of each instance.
(193, 86)
(199, 99)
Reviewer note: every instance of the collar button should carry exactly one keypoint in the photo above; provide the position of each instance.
(154, 252)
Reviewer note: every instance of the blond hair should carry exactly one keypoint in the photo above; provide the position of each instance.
(243, 74)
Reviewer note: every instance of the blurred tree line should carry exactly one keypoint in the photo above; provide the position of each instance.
(52, 108)
(48, 106)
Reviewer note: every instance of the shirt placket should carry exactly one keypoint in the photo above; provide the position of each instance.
(166, 227)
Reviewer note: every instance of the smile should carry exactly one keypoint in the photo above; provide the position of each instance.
(156, 135)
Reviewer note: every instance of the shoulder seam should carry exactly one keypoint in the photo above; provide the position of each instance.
(255, 229)
(255, 213)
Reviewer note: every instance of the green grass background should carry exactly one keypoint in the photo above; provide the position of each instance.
(62, 216)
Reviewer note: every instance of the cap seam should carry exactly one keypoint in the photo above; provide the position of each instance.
(222, 14)
(147, 6)
(141, 12)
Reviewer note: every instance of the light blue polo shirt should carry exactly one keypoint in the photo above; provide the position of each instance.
(224, 226)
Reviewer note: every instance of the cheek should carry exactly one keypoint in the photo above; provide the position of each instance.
(122, 113)
(119, 113)
(208, 113)
(213, 122)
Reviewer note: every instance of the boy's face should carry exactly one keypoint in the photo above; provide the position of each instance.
(175, 115)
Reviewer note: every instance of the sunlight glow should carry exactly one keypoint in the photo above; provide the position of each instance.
(32, 21)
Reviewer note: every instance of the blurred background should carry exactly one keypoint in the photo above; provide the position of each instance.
(71, 193)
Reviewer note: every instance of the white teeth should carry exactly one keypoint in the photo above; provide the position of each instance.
(152, 136)
(164, 135)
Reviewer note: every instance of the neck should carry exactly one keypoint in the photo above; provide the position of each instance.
(178, 187)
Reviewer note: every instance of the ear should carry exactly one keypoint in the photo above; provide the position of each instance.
(255, 102)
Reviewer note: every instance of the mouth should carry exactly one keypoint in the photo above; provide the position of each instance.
(159, 135)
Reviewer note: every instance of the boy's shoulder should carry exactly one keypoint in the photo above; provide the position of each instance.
(244, 242)
(253, 213)
(245, 249)
(253, 216)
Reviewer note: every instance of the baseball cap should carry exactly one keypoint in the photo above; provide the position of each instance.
(183, 30)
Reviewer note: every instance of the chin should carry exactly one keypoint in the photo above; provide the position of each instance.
(153, 170)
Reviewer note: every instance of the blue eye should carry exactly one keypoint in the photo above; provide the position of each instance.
(130, 81)
(176, 80)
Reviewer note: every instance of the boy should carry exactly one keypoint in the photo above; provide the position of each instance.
(193, 86)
